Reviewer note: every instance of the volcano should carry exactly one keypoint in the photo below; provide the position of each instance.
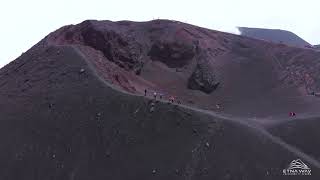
(73, 106)
(275, 35)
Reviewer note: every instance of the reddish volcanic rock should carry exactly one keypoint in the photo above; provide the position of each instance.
(69, 107)
(173, 54)
(184, 60)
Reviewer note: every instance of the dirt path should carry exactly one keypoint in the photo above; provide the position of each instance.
(248, 122)
(260, 129)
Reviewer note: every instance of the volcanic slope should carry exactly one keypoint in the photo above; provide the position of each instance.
(60, 120)
(299, 132)
(275, 35)
(201, 67)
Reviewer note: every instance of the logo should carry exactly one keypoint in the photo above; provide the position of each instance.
(296, 168)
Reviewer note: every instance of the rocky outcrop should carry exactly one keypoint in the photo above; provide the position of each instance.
(117, 47)
(173, 54)
(203, 79)
(114, 47)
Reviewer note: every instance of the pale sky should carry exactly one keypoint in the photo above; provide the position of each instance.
(24, 23)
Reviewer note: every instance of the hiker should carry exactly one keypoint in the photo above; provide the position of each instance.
(171, 99)
(160, 95)
(155, 95)
(291, 114)
(145, 92)
(152, 107)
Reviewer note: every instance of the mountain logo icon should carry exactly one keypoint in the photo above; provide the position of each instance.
(297, 164)
(297, 167)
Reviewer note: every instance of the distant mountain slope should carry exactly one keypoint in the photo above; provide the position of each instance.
(274, 35)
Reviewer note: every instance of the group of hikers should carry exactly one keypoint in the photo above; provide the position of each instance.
(172, 99)
(155, 95)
